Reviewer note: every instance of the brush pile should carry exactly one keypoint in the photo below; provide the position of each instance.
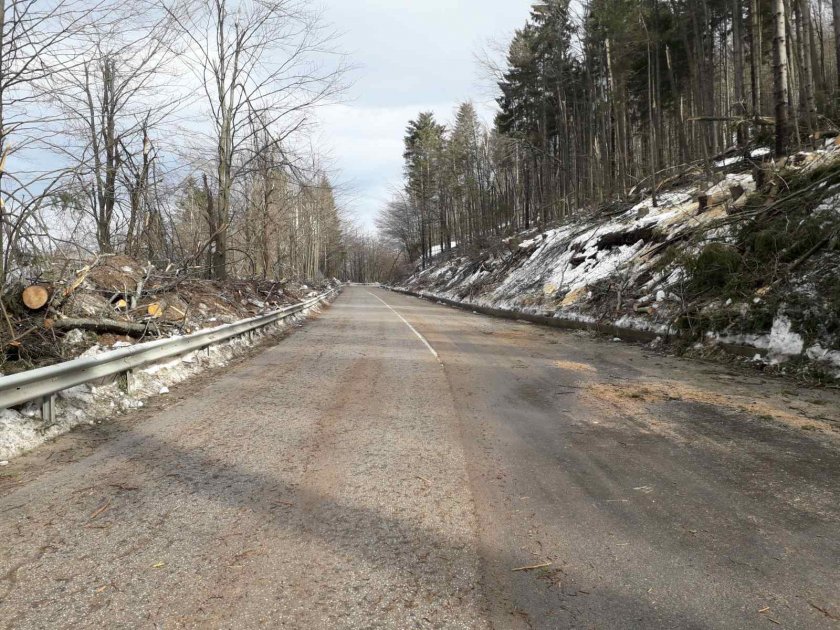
(62, 308)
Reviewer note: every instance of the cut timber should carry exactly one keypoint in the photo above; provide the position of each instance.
(103, 326)
(35, 297)
(154, 310)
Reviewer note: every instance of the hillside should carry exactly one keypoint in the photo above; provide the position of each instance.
(750, 257)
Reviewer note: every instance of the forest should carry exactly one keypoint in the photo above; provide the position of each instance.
(176, 132)
(601, 98)
(179, 131)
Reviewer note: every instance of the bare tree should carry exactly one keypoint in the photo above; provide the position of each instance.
(33, 38)
(110, 100)
(835, 7)
(260, 58)
(780, 72)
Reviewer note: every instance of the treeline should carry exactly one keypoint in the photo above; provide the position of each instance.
(370, 259)
(174, 131)
(598, 97)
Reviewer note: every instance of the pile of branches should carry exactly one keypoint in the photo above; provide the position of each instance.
(60, 310)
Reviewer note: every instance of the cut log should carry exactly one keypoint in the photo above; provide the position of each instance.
(104, 326)
(154, 310)
(35, 297)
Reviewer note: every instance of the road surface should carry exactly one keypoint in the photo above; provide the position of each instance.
(394, 462)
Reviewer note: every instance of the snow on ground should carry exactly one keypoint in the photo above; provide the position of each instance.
(562, 272)
(565, 261)
(23, 430)
(437, 249)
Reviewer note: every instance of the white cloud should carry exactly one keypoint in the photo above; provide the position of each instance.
(414, 56)
(367, 145)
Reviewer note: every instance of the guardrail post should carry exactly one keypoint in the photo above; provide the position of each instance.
(48, 409)
(128, 381)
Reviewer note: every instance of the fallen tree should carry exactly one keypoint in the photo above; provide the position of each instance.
(105, 326)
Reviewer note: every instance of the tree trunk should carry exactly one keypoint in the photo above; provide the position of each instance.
(738, 43)
(780, 72)
(813, 53)
(804, 14)
(3, 149)
(35, 297)
(835, 6)
(104, 326)
(755, 57)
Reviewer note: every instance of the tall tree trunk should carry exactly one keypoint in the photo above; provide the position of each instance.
(811, 44)
(807, 77)
(755, 57)
(780, 72)
(835, 6)
(793, 74)
(738, 44)
(3, 149)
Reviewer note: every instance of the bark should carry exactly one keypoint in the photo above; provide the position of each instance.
(755, 57)
(835, 7)
(740, 105)
(3, 148)
(813, 51)
(780, 71)
(807, 79)
(105, 326)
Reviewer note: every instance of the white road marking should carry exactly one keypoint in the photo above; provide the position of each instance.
(413, 329)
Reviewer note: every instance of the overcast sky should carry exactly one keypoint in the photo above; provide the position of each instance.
(412, 55)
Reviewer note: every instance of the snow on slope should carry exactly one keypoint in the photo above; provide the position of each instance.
(613, 269)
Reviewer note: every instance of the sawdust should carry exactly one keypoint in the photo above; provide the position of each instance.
(575, 367)
(636, 397)
(512, 334)
(574, 296)
(619, 407)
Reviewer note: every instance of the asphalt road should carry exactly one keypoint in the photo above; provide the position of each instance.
(394, 462)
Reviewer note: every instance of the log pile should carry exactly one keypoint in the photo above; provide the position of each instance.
(65, 309)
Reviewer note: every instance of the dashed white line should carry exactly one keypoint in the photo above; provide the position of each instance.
(413, 329)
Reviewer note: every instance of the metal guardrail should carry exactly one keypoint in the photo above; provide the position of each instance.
(44, 383)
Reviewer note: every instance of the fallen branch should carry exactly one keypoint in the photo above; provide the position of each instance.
(824, 611)
(81, 276)
(533, 567)
(101, 509)
(17, 339)
(103, 326)
(764, 121)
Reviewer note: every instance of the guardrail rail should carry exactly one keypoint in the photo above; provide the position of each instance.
(44, 383)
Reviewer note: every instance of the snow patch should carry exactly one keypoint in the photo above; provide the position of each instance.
(831, 357)
(22, 430)
(783, 341)
(729, 161)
